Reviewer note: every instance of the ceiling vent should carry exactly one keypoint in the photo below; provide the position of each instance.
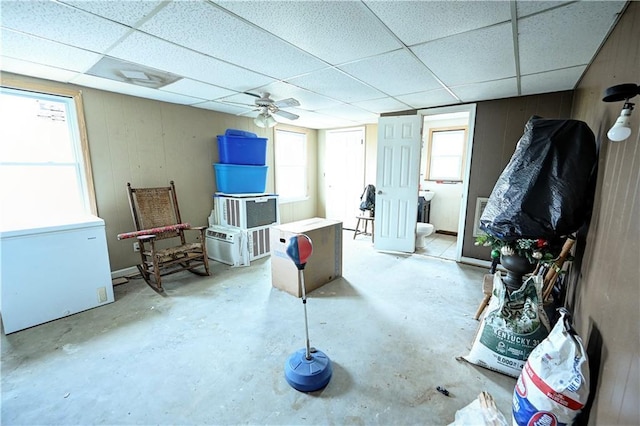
(127, 72)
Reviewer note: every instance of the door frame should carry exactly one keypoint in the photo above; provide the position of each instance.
(471, 109)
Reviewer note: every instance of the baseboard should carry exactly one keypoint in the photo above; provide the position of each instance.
(476, 262)
(126, 272)
(453, 234)
(481, 263)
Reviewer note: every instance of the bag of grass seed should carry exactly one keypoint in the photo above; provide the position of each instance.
(514, 324)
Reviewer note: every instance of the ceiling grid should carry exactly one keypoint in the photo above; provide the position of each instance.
(346, 62)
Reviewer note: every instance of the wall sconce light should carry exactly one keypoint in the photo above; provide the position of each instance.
(265, 119)
(621, 129)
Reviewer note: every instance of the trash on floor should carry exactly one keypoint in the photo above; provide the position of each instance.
(481, 411)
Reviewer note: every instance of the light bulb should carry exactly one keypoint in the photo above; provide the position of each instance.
(260, 121)
(621, 129)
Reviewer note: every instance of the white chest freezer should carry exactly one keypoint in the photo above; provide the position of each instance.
(51, 271)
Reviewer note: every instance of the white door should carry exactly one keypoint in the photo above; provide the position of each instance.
(344, 175)
(397, 175)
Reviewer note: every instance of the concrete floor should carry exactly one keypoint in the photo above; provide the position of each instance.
(212, 350)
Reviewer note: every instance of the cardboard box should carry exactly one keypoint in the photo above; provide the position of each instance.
(325, 263)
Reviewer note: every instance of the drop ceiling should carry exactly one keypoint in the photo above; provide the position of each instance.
(346, 62)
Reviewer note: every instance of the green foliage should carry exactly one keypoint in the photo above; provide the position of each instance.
(535, 250)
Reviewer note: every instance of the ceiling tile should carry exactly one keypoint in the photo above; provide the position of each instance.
(496, 89)
(196, 89)
(315, 120)
(223, 107)
(350, 112)
(335, 31)
(382, 105)
(551, 81)
(439, 97)
(564, 37)
(127, 12)
(19, 66)
(395, 73)
(133, 90)
(162, 55)
(337, 85)
(61, 23)
(419, 21)
(206, 28)
(475, 56)
(526, 8)
(45, 52)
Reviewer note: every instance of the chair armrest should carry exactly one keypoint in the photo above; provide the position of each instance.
(153, 231)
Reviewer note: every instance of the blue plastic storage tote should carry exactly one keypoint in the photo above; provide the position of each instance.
(242, 147)
(240, 179)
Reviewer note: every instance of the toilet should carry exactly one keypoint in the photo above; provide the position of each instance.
(423, 230)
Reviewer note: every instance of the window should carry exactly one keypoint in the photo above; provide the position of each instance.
(291, 165)
(43, 158)
(446, 153)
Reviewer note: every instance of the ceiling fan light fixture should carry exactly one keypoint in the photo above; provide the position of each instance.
(265, 120)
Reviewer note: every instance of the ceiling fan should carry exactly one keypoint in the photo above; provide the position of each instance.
(268, 107)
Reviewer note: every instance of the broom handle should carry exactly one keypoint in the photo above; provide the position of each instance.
(304, 303)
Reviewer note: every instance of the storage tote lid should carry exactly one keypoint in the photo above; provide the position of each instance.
(240, 133)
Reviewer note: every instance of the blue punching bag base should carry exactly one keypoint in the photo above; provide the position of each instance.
(308, 375)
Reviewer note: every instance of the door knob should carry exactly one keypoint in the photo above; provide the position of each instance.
(379, 192)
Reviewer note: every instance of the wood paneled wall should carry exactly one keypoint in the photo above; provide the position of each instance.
(499, 127)
(605, 278)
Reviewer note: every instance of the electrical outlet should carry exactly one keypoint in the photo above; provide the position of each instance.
(136, 247)
(102, 294)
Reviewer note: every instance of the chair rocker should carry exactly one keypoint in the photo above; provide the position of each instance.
(160, 232)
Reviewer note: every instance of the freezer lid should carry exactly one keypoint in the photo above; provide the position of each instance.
(18, 227)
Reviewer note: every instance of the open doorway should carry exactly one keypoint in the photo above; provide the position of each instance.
(447, 140)
(344, 174)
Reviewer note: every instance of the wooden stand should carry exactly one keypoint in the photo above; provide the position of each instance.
(365, 221)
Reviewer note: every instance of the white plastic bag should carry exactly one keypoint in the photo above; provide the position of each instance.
(481, 411)
(554, 384)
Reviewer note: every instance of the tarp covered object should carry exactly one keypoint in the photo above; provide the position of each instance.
(546, 189)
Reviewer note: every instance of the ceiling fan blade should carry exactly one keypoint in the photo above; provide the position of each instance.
(287, 114)
(285, 103)
(252, 94)
(238, 103)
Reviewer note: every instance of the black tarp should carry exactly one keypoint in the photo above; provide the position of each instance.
(546, 189)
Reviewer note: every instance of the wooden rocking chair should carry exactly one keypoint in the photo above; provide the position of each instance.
(157, 217)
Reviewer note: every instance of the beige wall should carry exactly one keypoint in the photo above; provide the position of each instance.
(605, 278)
(149, 143)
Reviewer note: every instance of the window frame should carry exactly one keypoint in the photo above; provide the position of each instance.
(462, 156)
(76, 96)
(283, 199)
